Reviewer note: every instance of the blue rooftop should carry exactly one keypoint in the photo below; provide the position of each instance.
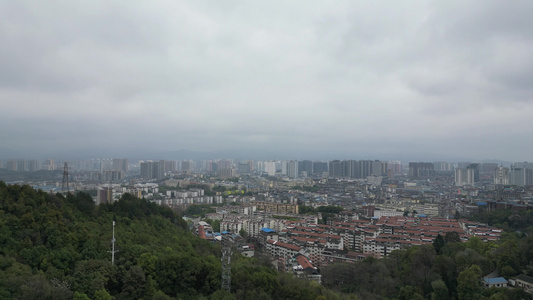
(267, 230)
(495, 280)
(225, 232)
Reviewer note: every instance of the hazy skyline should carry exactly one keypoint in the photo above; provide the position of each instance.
(301, 79)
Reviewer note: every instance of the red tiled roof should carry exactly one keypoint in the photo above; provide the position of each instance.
(304, 262)
(201, 232)
(284, 245)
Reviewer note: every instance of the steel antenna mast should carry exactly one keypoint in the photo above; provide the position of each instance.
(113, 240)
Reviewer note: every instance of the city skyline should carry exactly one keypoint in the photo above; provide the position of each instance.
(424, 81)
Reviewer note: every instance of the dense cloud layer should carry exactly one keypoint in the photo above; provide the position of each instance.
(356, 80)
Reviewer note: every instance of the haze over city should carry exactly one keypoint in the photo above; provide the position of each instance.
(422, 80)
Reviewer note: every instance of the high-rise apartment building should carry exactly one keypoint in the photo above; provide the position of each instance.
(270, 167)
(443, 166)
(488, 168)
(474, 171)
(153, 170)
(245, 167)
(11, 165)
(305, 166)
(320, 167)
(33, 165)
(22, 165)
(187, 166)
(421, 170)
(460, 176)
(225, 164)
(292, 169)
(501, 175)
(336, 169)
(226, 173)
(49, 164)
(120, 164)
(395, 167)
(170, 166)
(357, 169)
(468, 176)
(378, 168)
(521, 174)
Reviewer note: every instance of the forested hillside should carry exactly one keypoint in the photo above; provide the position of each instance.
(55, 247)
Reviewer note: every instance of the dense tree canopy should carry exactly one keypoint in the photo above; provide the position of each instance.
(57, 247)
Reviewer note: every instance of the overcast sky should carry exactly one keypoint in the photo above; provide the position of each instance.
(307, 79)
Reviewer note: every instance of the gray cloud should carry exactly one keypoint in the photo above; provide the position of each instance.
(310, 79)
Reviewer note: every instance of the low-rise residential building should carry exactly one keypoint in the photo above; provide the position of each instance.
(525, 282)
(494, 282)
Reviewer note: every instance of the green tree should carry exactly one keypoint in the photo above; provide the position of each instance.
(469, 283)
(452, 237)
(409, 293)
(80, 296)
(446, 268)
(438, 243)
(222, 295)
(440, 290)
(216, 225)
(304, 210)
(133, 283)
(102, 295)
(499, 296)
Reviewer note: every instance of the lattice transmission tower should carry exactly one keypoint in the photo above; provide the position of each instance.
(226, 262)
(65, 184)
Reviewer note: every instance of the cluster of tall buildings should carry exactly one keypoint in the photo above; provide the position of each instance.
(358, 168)
(22, 165)
(468, 175)
(114, 176)
(464, 173)
(30, 165)
(293, 168)
(421, 170)
(519, 174)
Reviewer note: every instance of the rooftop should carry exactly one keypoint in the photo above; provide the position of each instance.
(495, 280)
(267, 230)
